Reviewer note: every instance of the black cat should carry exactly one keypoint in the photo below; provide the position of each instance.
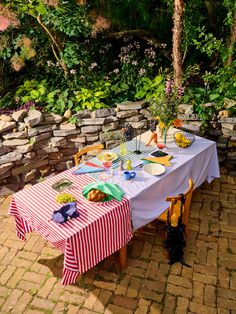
(175, 241)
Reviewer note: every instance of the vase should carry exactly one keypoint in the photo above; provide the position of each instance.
(162, 137)
(165, 135)
(160, 132)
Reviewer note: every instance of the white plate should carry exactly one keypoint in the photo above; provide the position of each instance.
(112, 156)
(154, 169)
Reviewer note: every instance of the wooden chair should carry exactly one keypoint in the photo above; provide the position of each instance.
(85, 150)
(175, 205)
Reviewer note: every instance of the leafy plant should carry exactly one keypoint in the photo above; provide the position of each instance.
(217, 86)
(59, 101)
(68, 18)
(73, 120)
(164, 103)
(147, 88)
(39, 92)
(32, 140)
(163, 96)
(207, 42)
(200, 95)
(93, 98)
(32, 91)
(205, 113)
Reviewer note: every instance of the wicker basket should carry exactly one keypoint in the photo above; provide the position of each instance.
(183, 139)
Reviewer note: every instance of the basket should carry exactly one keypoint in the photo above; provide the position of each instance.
(183, 139)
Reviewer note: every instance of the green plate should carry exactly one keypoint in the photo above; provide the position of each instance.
(61, 185)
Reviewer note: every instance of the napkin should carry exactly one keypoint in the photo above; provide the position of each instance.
(66, 212)
(89, 163)
(113, 190)
(160, 160)
(88, 167)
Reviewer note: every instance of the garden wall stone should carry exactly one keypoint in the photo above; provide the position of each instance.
(44, 142)
(34, 117)
(19, 115)
(137, 105)
(103, 113)
(6, 126)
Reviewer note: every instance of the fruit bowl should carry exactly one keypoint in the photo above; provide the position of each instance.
(183, 139)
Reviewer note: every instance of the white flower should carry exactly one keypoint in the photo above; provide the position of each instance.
(93, 65)
(142, 72)
(50, 63)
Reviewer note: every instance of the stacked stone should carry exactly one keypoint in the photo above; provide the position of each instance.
(135, 113)
(191, 122)
(35, 144)
(28, 147)
(95, 125)
(229, 134)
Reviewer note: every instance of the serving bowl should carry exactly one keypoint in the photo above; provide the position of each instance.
(184, 139)
(154, 169)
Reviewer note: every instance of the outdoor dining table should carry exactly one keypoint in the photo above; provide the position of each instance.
(103, 228)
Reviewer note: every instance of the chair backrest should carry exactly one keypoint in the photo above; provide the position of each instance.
(175, 205)
(85, 150)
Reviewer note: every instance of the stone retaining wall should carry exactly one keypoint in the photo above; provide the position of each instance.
(35, 144)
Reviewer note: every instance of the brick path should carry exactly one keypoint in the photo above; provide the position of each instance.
(30, 271)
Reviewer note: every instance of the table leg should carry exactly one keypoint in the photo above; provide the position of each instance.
(123, 257)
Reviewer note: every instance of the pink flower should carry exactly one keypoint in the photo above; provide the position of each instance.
(4, 23)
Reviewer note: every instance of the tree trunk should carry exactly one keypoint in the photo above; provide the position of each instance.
(232, 41)
(211, 14)
(177, 41)
(81, 2)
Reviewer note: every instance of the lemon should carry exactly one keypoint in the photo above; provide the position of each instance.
(179, 136)
(188, 142)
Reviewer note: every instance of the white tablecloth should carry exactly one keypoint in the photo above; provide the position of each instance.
(147, 193)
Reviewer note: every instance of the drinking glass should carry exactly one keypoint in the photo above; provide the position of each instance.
(161, 145)
(123, 149)
(107, 165)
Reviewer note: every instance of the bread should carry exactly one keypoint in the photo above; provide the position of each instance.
(96, 196)
(107, 156)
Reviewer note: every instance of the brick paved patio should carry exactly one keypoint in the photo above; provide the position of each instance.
(30, 272)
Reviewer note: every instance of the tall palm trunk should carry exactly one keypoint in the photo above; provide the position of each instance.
(177, 41)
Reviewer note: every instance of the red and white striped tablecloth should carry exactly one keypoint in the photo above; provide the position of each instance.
(100, 230)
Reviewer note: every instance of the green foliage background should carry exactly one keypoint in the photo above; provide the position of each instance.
(96, 55)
